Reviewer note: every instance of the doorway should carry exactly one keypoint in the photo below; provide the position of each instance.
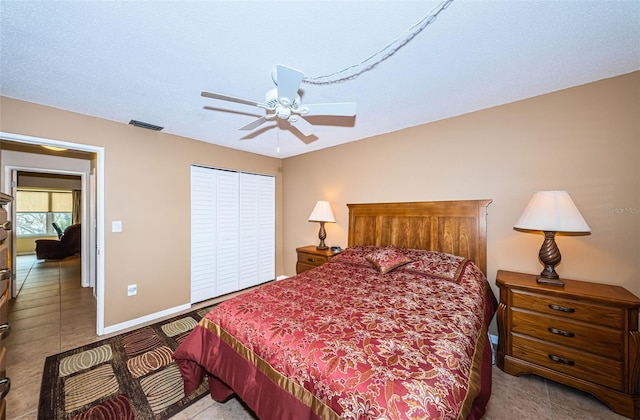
(25, 153)
(46, 205)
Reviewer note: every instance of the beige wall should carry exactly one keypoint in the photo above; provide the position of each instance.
(585, 140)
(49, 182)
(25, 246)
(147, 187)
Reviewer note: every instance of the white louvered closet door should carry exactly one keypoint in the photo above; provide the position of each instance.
(257, 229)
(232, 231)
(266, 229)
(227, 232)
(203, 233)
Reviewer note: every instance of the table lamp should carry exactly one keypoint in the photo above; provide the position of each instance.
(551, 212)
(322, 213)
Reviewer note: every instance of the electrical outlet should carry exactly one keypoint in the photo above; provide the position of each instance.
(132, 289)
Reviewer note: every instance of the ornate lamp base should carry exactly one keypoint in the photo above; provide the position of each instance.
(550, 257)
(322, 235)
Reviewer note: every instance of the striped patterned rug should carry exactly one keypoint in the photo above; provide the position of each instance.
(129, 376)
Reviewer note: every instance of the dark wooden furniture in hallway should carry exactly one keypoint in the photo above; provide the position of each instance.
(5, 279)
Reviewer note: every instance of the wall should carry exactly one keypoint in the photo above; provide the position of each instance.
(585, 140)
(52, 182)
(147, 187)
(27, 246)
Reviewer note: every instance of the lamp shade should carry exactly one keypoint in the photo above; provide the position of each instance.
(552, 211)
(322, 213)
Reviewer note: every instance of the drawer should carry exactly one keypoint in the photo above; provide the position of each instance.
(3, 220)
(570, 309)
(5, 330)
(607, 342)
(4, 309)
(3, 362)
(4, 255)
(302, 267)
(311, 259)
(592, 368)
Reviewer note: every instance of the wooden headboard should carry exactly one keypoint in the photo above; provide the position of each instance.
(454, 227)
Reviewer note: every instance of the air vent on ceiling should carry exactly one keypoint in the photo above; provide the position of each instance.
(145, 125)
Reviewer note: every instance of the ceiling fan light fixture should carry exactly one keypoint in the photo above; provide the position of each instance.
(283, 112)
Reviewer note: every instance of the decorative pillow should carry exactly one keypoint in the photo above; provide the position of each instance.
(355, 255)
(387, 259)
(433, 263)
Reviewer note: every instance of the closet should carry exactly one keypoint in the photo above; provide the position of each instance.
(232, 231)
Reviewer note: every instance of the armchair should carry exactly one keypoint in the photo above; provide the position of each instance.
(67, 245)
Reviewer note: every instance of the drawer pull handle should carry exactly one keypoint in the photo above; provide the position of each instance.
(5, 274)
(5, 384)
(6, 225)
(4, 331)
(560, 332)
(311, 260)
(561, 308)
(561, 360)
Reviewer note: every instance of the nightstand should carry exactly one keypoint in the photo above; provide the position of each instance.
(310, 257)
(584, 335)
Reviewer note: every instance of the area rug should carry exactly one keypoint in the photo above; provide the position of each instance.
(129, 376)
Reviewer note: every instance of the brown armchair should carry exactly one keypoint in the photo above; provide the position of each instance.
(54, 249)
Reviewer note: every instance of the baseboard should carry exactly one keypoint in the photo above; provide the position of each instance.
(145, 319)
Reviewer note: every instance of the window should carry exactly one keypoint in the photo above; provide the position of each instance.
(36, 211)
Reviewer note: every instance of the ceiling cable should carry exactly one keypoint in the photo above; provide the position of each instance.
(387, 51)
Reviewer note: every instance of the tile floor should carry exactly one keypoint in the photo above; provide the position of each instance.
(53, 314)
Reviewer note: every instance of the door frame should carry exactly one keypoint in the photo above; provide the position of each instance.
(87, 270)
(98, 222)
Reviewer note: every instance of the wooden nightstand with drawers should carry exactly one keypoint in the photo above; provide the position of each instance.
(310, 257)
(584, 335)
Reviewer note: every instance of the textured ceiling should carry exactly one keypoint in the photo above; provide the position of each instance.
(150, 60)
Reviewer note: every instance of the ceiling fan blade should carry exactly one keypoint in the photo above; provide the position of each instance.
(255, 123)
(229, 98)
(232, 111)
(303, 126)
(288, 80)
(341, 109)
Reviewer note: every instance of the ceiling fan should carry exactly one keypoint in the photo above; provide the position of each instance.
(283, 103)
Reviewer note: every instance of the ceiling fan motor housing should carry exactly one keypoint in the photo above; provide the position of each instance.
(274, 102)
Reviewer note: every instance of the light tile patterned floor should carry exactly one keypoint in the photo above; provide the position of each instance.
(53, 314)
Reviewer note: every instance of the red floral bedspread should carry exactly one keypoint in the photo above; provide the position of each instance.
(353, 343)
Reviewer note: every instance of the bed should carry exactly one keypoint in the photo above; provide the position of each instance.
(395, 327)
